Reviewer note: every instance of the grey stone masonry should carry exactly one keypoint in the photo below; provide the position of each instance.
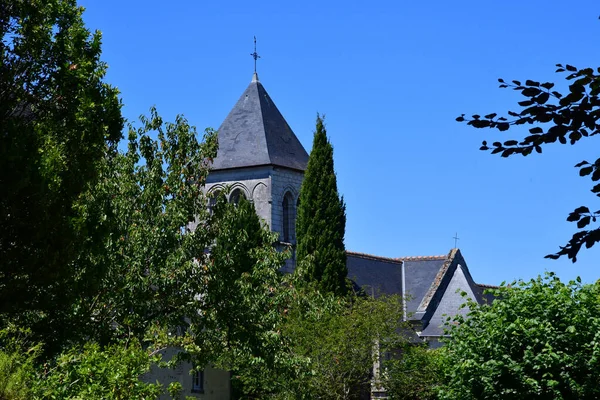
(254, 182)
(285, 182)
(266, 187)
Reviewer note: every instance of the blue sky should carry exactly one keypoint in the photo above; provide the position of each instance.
(391, 77)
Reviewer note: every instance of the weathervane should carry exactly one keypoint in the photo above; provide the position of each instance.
(255, 54)
(456, 238)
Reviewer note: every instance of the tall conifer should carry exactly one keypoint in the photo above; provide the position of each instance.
(321, 219)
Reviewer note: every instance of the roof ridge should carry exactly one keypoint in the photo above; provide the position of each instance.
(422, 258)
(373, 257)
(485, 285)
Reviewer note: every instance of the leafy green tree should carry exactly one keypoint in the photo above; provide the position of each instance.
(557, 117)
(96, 373)
(59, 121)
(413, 373)
(342, 340)
(321, 219)
(537, 340)
(16, 375)
(152, 194)
(241, 293)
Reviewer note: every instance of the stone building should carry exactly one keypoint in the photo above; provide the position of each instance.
(261, 159)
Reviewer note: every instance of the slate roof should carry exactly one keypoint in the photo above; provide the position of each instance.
(420, 277)
(375, 275)
(433, 285)
(255, 133)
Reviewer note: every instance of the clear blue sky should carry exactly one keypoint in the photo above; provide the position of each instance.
(391, 78)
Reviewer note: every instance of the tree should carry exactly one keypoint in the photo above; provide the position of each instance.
(537, 340)
(151, 195)
(414, 373)
(92, 372)
(571, 118)
(341, 340)
(59, 122)
(243, 296)
(321, 219)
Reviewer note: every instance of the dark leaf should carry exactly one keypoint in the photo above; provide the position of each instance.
(570, 68)
(529, 82)
(530, 92)
(585, 171)
(509, 152)
(526, 103)
(542, 98)
(511, 143)
(503, 126)
(536, 130)
(582, 209)
(573, 217)
(547, 85)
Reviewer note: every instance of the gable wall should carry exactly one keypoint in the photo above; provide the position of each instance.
(254, 182)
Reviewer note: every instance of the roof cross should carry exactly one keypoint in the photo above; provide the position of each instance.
(255, 54)
(456, 238)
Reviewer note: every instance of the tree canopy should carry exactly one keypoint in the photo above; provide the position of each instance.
(59, 121)
(537, 340)
(558, 117)
(321, 219)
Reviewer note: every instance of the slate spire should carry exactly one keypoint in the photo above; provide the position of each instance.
(255, 133)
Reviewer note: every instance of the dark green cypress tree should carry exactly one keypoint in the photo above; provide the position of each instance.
(321, 219)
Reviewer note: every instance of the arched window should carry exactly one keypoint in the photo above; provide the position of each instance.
(234, 197)
(288, 217)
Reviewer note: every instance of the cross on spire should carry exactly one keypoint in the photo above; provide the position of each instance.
(255, 55)
(456, 238)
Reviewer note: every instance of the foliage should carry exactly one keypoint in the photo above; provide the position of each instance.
(16, 374)
(415, 373)
(52, 95)
(95, 373)
(321, 219)
(153, 195)
(538, 340)
(569, 118)
(118, 241)
(242, 289)
(59, 121)
(341, 340)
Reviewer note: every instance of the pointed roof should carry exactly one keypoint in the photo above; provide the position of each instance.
(255, 133)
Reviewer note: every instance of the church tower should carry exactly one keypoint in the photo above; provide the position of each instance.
(260, 158)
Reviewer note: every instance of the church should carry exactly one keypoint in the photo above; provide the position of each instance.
(260, 158)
